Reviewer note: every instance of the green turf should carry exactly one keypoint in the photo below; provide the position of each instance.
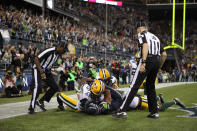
(26, 97)
(186, 93)
(54, 120)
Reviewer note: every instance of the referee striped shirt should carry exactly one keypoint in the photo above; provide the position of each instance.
(153, 42)
(47, 58)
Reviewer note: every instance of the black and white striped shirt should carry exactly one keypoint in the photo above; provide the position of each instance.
(154, 47)
(47, 58)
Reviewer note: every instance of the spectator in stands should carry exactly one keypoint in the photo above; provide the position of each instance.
(79, 63)
(116, 69)
(71, 78)
(123, 73)
(19, 79)
(92, 71)
(63, 79)
(159, 76)
(9, 81)
(67, 63)
(7, 57)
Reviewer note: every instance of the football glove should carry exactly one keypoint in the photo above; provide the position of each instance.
(83, 102)
(104, 107)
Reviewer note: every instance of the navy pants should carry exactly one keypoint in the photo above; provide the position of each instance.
(116, 99)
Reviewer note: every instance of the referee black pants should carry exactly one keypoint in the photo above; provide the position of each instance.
(152, 66)
(38, 87)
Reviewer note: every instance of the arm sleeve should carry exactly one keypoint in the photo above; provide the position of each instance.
(46, 52)
(142, 38)
(107, 96)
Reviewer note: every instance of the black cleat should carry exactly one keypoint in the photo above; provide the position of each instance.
(120, 115)
(61, 108)
(41, 105)
(154, 116)
(161, 98)
(31, 111)
(179, 103)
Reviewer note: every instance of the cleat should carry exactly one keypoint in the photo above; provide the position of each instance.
(120, 115)
(161, 98)
(179, 103)
(41, 105)
(31, 111)
(154, 116)
(61, 108)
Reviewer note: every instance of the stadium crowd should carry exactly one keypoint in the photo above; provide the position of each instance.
(118, 21)
(25, 25)
(19, 58)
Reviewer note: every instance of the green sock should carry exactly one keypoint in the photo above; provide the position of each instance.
(166, 105)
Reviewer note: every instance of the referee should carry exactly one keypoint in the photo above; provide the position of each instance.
(43, 63)
(152, 57)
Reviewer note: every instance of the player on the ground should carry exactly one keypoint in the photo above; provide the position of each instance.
(141, 103)
(94, 99)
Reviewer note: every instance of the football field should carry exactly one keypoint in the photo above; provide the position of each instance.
(174, 119)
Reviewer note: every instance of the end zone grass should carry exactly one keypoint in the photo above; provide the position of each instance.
(71, 121)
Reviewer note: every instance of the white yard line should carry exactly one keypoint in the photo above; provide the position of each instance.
(21, 108)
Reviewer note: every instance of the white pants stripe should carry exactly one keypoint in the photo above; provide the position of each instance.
(35, 89)
(132, 84)
(67, 103)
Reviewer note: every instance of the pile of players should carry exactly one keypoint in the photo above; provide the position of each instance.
(102, 96)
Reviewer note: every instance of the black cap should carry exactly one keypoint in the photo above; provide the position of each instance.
(140, 24)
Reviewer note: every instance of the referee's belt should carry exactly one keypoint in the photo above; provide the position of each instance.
(46, 70)
(153, 56)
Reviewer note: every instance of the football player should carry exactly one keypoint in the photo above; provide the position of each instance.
(112, 85)
(94, 99)
(141, 103)
(133, 67)
(107, 78)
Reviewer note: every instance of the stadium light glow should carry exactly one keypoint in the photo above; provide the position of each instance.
(108, 2)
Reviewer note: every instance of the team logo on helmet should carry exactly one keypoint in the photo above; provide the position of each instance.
(97, 87)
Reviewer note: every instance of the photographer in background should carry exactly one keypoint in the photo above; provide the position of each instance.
(63, 78)
(19, 79)
(116, 69)
(9, 84)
